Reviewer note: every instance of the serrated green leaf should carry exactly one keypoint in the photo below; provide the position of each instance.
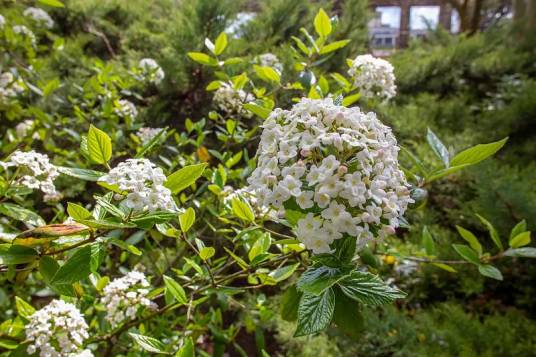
(477, 153)
(494, 235)
(316, 280)
(490, 271)
(206, 253)
(75, 269)
(315, 312)
(220, 44)
(527, 252)
(148, 343)
(99, 145)
(203, 58)
(467, 253)
(77, 212)
(471, 239)
(438, 147)
(369, 289)
(520, 240)
(322, 23)
(175, 289)
(242, 210)
(23, 308)
(185, 177)
(187, 219)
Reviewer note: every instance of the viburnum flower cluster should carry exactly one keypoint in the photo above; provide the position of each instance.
(37, 172)
(9, 85)
(23, 128)
(231, 101)
(146, 134)
(271, 60)
(124, 296)
(143, 184)
(40, 16)
(373, 76)
(24, 31)
(151, 70)
(58, 329)
(126, 109)
(337, 165)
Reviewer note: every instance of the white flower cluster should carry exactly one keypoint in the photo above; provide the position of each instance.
(339, 165)
(23, 128)
(10, 86)
(124, 296)
(373, 76)
(24, 31)
(57, 330)
(144, 184)
(147, 134)
(2, 21)
(126, 109)
(231, 101)
(40, 16)
(271, 60)
(38, 172)
(151, 70)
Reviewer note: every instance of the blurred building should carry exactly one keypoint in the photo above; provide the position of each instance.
(396, 21)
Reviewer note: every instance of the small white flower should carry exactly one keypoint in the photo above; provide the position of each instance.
(151, 70)
(58, 329)
(40, 16)
(147, 134)
(24, 31)
(270, 60)
(305, 199)
(373, 76)
(231, 101)
(126, 109)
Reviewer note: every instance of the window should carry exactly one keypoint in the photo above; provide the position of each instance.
(423, 17)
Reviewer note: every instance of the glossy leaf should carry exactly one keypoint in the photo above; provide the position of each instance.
(99, 145)
(187, 219)
(185, 177)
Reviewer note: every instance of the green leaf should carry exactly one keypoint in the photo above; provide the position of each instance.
(322, 23)
(206, 253)
(445, 267)
(467, 253)
(99, 145)
(315, 312)
(471, 239)
(21, 214)
(105, 224)
(334, 46)
(185, 177)
(438, 147)
(48, 267)
(187, 349)
(306, 51)
(351, 99)
(77, 211)
(175, 289)
(289, 304)
(53, 3)
(267, 74)
(23, 308)
(494, 235)
(520, 240)
(187, 219)
(147, 221)
(76, 268)
(242, 210)
(490, 271)
(238, 260)
(348, 316)
(284, 273)
(221, 44)
(149, 344)
(428, 241)
(527, 252)
(257, 110)
(83, 174)
(519, 228)
(316, 280)
(477, 153)
(369, 289)
(203, 58)
(16, 254)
